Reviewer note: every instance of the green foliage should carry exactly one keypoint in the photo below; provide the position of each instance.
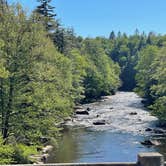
(36, 80)
(22, 154)
(94, 73)
(102, 74)
(6, 153)
(159, 70)
(158, 90)
(124, 50)
(159, 108)
(65, 40)
(151, 79)
(38, 84)
(144, 70)
(142, 59)
(78, 66)
(16, 153)
(3, 72)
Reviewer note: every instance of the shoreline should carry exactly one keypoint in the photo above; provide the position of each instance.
(43, 155)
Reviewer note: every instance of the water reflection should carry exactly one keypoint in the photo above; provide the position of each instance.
(162, 148)
(67, 148)
(83, 145)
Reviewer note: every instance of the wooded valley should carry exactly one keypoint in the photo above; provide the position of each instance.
(46, 70)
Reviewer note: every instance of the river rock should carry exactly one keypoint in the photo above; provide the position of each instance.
(82, 112)
(147, 143)
(161, 124)
(145, 102)
(133, 113)
(102, 100)
(44, 158)
(39, 149)
(148, 129)
(150, 143)
(99, 122)
(39, 159)
(156, 143)
(47, 149)
(78, 107)
(68, 119)
(113, 92)
(88, 109)
(104, 97)
(159, 131)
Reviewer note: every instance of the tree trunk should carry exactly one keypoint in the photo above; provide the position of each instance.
(2, 104)
(8, 111)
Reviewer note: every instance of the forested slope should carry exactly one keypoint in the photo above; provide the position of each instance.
(44, 71)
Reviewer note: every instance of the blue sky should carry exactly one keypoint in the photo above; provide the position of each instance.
(99, 17)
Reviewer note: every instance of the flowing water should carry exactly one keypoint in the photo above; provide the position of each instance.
(117, 141)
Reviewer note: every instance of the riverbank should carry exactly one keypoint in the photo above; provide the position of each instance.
(42, 156)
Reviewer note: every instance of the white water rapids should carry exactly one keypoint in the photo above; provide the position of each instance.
(116, 111)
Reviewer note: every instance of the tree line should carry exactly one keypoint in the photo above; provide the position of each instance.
(45, 70)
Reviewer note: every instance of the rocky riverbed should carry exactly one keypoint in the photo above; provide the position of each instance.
(113, 129)
(122, 112)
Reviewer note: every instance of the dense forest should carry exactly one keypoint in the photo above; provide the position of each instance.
(142, 59)
(45, 70)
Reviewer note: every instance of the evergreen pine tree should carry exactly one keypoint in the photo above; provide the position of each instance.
(47, 15)
(112, 36)
(3, 6)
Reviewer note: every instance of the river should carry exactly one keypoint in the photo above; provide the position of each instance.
(117, 141)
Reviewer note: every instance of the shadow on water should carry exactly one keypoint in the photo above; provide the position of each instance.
(162, 147)
(67, 148)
